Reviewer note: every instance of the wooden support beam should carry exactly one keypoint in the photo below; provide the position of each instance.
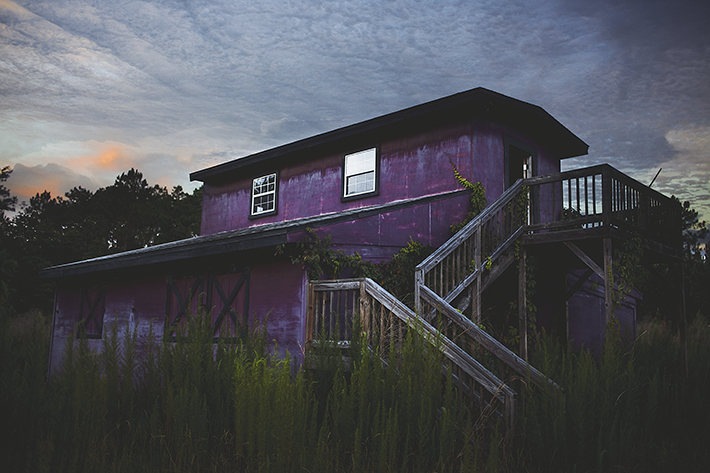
(608, 280)
(580, 282)
(523, 304)
(682, 322)
(477, 255)
(585, 259)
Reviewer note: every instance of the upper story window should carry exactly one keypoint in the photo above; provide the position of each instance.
(360, 174)
(263, 195)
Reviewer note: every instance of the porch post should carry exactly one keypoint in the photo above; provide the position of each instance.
(418, 283)
(681, 325)
(608, 281)
(523, 304)
(477, 255)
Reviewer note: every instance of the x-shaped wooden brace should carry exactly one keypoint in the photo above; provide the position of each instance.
(92, 314)
(183, 303)
(227, 301)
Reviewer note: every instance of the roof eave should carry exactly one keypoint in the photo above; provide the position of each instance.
(564, 145)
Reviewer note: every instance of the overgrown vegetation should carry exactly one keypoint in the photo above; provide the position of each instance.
(477, 200)
(630, 411)
(396, 275)
(193, 405)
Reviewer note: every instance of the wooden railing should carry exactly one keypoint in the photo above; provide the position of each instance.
(449, 283)
(385, 321)
(469, 261)
(476, 255)
(602, 197)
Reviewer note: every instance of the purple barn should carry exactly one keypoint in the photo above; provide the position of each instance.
(372, 186)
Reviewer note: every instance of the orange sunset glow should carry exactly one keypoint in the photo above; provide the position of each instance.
(111, 157)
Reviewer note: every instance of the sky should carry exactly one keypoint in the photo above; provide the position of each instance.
(90, 89)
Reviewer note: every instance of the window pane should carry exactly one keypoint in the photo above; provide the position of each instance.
(360, 172)
(361, 183)
(358, 163)
(263, 194)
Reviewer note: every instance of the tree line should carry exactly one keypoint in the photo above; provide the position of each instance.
(131, 214)
(47, 231)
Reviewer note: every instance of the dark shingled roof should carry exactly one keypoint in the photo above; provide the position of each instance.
(482, 103)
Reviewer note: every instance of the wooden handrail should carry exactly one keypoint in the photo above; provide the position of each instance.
(501, 352)
(444, 250)
(367, 288)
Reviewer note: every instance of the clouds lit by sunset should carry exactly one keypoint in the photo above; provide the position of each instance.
(89, 90)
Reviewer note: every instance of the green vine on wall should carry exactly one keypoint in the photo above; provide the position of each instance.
(626, 265)
(478, 200)
(396, 275)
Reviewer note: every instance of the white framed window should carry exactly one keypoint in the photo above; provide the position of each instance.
(360, 173)
(263, 195)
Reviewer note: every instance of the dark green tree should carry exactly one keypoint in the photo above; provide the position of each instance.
(127, 215)
(7, 201)
(659, 282)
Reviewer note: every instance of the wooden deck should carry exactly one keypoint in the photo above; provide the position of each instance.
(599, 202)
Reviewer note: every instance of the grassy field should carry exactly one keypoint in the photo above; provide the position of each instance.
(188, 406)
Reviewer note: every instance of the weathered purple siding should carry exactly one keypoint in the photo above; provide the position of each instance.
(133, 304)
(586, 314)
(277, 290)
(378, 237)
(410, 167)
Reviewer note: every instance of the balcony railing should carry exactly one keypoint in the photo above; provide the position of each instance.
(604, 198)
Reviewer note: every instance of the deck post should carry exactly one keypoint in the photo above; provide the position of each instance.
(607, 206)
(310, 314)
(523, 304)
(608, 281)
(681, 325)
(418, 283)
(477, 255)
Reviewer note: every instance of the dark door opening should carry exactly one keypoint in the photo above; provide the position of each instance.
(518, 165)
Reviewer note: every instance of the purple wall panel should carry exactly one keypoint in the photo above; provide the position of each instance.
(278, 289)
(131, 304)
(410, 167)
(378, 237)
(587, 319)
(66, 316)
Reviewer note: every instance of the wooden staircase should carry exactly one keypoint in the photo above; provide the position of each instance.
(596, 202)
(448, 283)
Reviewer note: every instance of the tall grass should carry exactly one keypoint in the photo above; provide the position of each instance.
(632, 410)
(193, 405)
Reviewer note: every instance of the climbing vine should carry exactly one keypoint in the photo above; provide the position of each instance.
(320, 260)
(626, 266)
(478, 200)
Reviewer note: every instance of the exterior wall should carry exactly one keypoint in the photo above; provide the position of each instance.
(378, 237)
(586, 315)
(277, 295)
(128, 304)
(409, 167)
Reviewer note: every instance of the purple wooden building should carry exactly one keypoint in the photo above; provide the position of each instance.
(372, 186)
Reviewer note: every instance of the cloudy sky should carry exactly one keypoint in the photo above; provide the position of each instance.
(89, 89)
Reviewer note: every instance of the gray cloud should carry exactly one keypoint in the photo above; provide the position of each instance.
(204, 81)
(25, 182)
